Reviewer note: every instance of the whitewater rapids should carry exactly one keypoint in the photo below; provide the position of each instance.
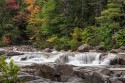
(79, 59)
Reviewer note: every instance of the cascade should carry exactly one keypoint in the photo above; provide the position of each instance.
(82, 59)
(79, 59)
(108, 58)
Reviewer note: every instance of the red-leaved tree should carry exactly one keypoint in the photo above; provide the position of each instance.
(13, 4)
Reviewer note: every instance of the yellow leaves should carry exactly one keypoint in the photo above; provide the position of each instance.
(35, 10)
(33, 7)
(30, 7)
(34, 20)
(29, 1)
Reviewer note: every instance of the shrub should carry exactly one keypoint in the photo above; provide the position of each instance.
(9, 72)
(120, 37)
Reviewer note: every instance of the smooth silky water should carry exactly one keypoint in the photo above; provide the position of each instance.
(80, 59)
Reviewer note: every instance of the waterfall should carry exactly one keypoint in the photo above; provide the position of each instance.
(34, 57)
(77, 59)
(82, 59)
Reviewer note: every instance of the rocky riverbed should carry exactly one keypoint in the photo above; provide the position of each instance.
(86, 65)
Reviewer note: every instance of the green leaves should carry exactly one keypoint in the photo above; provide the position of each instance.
(120, 37)
(9, 72)
(113, 11)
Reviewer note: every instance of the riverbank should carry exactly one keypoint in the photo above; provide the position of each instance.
(81, 66)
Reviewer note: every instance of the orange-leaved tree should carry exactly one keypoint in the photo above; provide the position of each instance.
(34, 20)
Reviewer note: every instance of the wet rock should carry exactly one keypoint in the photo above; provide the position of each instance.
(64, 58)
(64, 71)
(78, 80)
(42, 80)
(79, 72)
(118, 60)
(92, 51)
(83, 48)
(23, 73)
(47, 50)
(116, 75)
(100, 48)
(29, 71)
(21, 78)
(122, 47)
(120, 50)
(92, 74)
(115, 80)
(45, 71)
(114, 51)
(8, 48)
(96, 78)
(42, 70)
(3, 52)
(82, 72)
(121, 79)
(105, 71)
(10, 53)
(55, 72)
(102, 56)
(26, 48)
(72, 78)
(14, 53)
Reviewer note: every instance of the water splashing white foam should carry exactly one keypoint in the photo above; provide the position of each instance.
(108, 58)
(80, 59)
(85, 59)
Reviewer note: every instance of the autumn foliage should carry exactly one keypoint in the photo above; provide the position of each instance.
(63, 24)
(13, 4)
(33, 7)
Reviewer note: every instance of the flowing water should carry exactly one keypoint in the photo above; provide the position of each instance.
(79, 59)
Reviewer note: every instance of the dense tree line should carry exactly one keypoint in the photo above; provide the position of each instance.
(63, 24)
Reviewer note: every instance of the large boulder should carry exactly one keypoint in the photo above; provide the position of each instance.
(97, 78)
(119, 50)
(122, 48)
(115, 51)
(47, 50)
(83, 48)
(54, 72)
(92, 74)
(81, 72)
(45, 71)
(118, 60)
(100, 48)
(64, 71)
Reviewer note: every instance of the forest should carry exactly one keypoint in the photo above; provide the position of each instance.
(62, 24)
